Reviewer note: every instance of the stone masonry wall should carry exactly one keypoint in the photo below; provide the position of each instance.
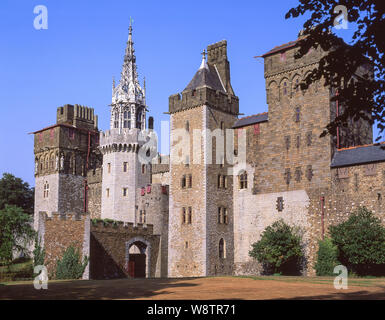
(110, 246)
(60, 231)
(153, 202)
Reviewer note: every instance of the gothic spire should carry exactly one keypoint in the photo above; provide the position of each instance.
(129, 90)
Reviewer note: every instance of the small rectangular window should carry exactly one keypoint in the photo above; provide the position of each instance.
(108, 192)
(280, 204)
(124, 192)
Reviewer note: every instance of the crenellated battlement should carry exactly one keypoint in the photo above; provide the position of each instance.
(55, 216)
(204, 96)
(121, 227)
(78, 116)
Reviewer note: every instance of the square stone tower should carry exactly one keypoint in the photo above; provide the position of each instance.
(201, 205)
(63, 153)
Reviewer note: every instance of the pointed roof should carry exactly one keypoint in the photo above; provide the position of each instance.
(206, 76)
(129, 90)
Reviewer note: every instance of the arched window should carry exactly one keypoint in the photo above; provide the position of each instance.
(222, 249)
(126, 120)
(243, 180)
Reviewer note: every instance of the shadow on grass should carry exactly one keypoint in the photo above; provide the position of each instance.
(94, 289)
(357, 295)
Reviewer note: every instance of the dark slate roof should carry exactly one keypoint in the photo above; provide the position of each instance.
(206, 77)
(256, 118)
(358, 155)
(280, 48)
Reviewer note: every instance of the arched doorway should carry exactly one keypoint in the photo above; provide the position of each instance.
(138, 258)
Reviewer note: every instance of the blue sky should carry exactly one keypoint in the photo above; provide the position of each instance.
(74, 60)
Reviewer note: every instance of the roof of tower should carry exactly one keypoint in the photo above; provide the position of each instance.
(280, 48)
(358, 155)
(206, 76)
(256, 118)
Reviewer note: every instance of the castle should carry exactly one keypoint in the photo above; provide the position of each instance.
(197, 211)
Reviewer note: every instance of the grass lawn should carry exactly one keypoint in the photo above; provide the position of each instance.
(23, 270)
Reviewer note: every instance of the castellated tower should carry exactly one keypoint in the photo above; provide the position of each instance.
(123, 171)
(62, 156)
(201, 206)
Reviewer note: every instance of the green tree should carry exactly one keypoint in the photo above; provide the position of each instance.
(279, 249)
(361, 242)
(70, 266)
(14, 191)
(339, 66)
(327, 258)
(15, 231)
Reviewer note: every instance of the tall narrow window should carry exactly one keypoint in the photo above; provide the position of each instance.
(127, 118)
(189, 221)
(222, 249)
(108, 192)
(187, 126)
(124, 166)
(219, 215)
(190, 181)
(124, 192)
(46, 190)
(109, 167)
(219, 180)
(116, 120)
(143, 168)
(297, 114)
(284, 88)
(184, 215)
(183, 181)
(139, 120)
(225, 216)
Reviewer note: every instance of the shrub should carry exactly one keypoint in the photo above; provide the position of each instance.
(70, 266)
(326, 258)
(38, 253)
(361, 243)
(279, 249)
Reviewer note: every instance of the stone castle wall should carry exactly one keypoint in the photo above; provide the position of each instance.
(109, 249)
(60, 231)
(153, 203)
